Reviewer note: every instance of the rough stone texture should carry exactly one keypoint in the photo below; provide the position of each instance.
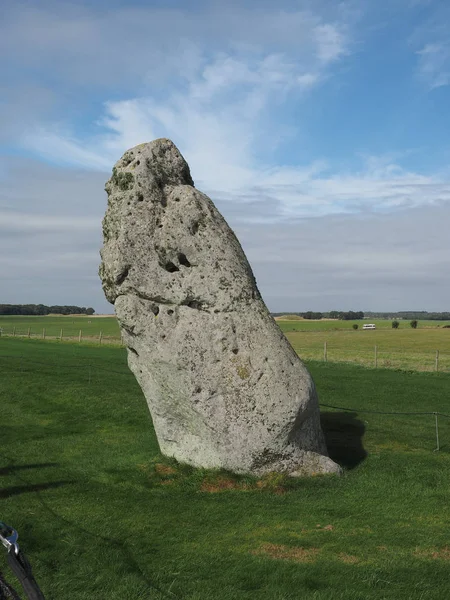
(223, 385)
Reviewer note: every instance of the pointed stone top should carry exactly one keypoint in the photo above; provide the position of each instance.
(162, 158)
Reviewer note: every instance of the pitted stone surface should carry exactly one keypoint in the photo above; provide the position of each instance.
(223, 385)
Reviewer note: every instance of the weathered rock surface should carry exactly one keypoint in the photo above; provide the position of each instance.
(223, 385)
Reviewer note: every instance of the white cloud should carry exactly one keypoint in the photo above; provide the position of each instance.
(330, 41)
(221, 142)
(148, 45)
(217, 120)
(434, 64)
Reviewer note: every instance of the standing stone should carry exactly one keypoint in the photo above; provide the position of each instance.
(224, 387)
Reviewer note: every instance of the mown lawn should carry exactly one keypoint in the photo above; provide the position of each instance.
(101, 514)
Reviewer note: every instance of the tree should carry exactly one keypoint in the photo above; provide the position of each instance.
(312, 315)
(351, 315)
(413, 324)
(355, 325)
(395, 324)
(90, 311)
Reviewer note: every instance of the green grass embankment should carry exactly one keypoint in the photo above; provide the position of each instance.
(101, 514)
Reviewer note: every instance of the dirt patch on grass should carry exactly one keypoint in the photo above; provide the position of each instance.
(272, 482)
(279, 552)
(222, 484)
(164, 469)
(325, 527)
(433, 553)
(348, 559)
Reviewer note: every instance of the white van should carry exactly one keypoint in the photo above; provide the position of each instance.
(369, 326)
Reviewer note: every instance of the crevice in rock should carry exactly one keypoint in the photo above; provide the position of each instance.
(196, 304)
(129, 330)
(133, 350)
(122, 276)
(170, 267)
(183, 260)
(155, 309)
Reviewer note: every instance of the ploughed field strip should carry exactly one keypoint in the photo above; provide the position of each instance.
(103, 515)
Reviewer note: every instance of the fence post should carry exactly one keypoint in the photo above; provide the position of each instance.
(28, 332)
(325, 351)
(61, 335)
(14, 332)
(376, 357)
(437, 361)
(43, 334)
(437, 432)
(100, 338)
(79, 337)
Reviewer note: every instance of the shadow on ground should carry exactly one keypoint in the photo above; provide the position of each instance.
(13, 468)
(343, 435)
(36, 487)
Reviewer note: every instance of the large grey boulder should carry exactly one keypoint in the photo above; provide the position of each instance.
(223, 385)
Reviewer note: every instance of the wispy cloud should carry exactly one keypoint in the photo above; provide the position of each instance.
(431, 44)
(221, 146)
(434, 64)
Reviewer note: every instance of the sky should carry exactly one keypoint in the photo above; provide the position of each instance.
(320, 129)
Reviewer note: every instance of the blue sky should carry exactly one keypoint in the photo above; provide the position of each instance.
(320, 130)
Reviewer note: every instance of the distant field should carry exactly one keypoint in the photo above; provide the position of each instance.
(403, 348)
(332, 325)
(91, 326)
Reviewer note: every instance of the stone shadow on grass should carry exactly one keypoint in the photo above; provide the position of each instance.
(34, 487)
(12, 468)
(343, 435)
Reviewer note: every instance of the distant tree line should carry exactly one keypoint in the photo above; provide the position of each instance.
(41, 309)
(351, 315)
(312, 315)
(411, 315)
(334, 314)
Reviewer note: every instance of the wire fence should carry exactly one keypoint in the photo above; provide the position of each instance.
(90, 372)
(435, 414)
(378, 355)
(68, 334)
(368, 355)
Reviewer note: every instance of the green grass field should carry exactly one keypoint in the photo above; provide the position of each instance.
(101, 514)
(71, 326)
(404, 348)
(333, 325)
(401, 348)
